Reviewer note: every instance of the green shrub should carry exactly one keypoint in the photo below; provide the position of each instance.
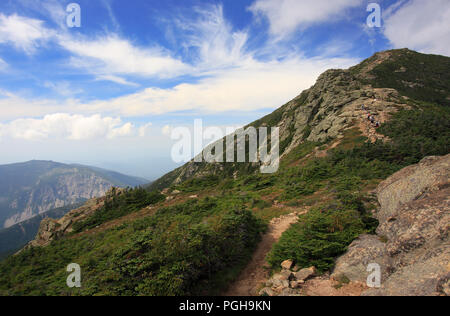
(318, 238)
(130, 201)
(194, 248)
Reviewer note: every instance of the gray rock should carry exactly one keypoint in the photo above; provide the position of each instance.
(415, 225)
(365, 250)
(305, 274)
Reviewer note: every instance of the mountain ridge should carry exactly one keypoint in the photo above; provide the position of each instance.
(198, 237)
(34, 187)
(322, 111)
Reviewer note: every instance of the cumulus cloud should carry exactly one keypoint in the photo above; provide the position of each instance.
(66, 126)
(287, 16)
(24, 33)
(420, 25)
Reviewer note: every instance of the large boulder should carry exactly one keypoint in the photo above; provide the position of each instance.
(305, 274)
(410, 183)
(412, 244)
(365, 250)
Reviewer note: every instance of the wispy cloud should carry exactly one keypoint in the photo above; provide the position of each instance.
(116, 79)
(62, 88)
(287, 16)
(253, 87)
(212, 39)
(23, 33)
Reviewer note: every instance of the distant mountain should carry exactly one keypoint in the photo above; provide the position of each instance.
(17, 236)
(35, 187)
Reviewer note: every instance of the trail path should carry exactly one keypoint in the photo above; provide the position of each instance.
(256, 273)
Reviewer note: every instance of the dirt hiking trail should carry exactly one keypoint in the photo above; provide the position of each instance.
(256, 272)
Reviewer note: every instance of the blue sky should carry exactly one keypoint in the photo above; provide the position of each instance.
(109, 92)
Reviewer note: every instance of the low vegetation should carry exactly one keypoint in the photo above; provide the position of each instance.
(189, 249)
(326, 231)
(197, 246)
(130, 201)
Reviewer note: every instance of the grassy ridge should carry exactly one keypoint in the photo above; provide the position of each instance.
(193, 248)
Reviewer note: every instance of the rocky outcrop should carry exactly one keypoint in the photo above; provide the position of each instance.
(51, 229)
(412, 244)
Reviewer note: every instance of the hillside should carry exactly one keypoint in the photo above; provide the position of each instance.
(17, 236)
(31, 188)
(385, 83)
(198, 233)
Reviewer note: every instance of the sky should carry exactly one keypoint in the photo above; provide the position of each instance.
(109, 92)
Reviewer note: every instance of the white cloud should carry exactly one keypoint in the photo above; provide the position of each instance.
(421, 25)
(231, 77)
(251, 87)
(62, 88)
(66, 126)
(112, 56)
(53, 9)
(286, 16)
(116, 79)
(215, 42)
(24, 33)
(255, 86)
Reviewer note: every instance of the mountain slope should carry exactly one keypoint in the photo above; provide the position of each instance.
(385, 83)
(31, 188)
(17, 236)
(202, 236)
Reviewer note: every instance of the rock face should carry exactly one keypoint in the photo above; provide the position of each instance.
(35, 187)
(412, 245)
